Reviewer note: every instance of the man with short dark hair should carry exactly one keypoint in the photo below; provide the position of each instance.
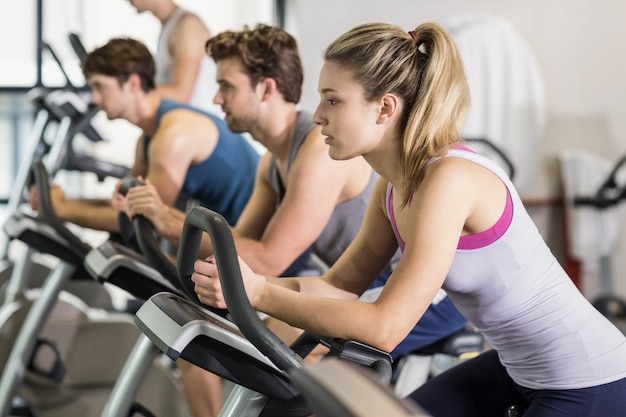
(183, 151)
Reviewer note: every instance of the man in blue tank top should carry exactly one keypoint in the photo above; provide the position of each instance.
(182, 151)
(303, 200)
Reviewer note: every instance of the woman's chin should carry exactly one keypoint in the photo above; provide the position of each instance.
(337, 155)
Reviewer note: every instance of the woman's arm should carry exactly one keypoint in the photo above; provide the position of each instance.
(430, 225)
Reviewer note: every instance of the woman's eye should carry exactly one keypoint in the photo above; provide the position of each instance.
(332, 102)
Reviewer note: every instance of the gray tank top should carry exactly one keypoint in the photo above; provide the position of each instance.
(347, 217)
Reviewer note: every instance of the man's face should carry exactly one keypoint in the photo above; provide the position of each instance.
(239, 100)
(108, 95)
(141, 5)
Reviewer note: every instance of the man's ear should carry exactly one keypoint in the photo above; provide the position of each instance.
(389, 108)
(266, 88)
(134, 81)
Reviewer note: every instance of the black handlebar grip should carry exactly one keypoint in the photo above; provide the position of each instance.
(201, 219)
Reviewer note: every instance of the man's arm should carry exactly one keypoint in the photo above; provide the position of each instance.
(97, 214)
(186, 46)
(139, 164)
(269, 239)
(315, 185)
(93, 214)
(183, 138)
(352, 273)
(168, 221)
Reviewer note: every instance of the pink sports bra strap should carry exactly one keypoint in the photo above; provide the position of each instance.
(468, 242)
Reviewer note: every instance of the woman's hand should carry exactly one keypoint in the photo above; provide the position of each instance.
(209, 289)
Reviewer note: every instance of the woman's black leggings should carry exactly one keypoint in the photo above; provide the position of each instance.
(481, 387)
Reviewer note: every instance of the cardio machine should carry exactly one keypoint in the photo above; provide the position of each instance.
(245, 353)
(334, 388)
(62, 115)
(88, 346)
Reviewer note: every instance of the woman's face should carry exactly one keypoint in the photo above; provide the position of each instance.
(348, 121)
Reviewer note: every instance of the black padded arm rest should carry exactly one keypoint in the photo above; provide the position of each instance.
(305, 343)
(77, 46)
(357, 352)
(151, 248)
(83, 162)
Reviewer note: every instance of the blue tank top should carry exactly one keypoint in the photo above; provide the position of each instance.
(223, 182)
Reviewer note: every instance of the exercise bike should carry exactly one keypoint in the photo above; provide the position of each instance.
(62, 115)
(71, 382)
(181, 328)
(334, 388)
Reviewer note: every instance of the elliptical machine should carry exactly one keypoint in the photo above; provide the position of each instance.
(62, 115)
(242, 351)
(334, 388)
(89, 345)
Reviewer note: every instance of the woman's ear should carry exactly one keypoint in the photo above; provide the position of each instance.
(389, 108)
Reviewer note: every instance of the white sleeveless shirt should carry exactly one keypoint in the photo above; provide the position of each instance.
(547, 335)
(205, 87)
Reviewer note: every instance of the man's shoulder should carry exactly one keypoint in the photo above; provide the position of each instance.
(187, 125)
(190, 23)
(311, 144)
(182, 114)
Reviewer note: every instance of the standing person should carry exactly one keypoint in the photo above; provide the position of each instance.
(184, 72)
(398, 100)
(302, 198)
(182, 151)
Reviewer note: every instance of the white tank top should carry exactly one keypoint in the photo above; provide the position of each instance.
(206, 85)
(548, 336)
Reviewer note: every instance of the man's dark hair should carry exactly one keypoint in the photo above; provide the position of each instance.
(119, 58)
(266, 52)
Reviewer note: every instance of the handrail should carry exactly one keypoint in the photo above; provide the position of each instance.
(47, 213)
(197, 221)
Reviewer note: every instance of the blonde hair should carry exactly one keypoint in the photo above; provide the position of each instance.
(425, 70)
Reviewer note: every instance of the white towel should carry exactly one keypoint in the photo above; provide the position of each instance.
(593, 232)
(507, 93)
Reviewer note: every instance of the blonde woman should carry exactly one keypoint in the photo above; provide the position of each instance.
(398, 99)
